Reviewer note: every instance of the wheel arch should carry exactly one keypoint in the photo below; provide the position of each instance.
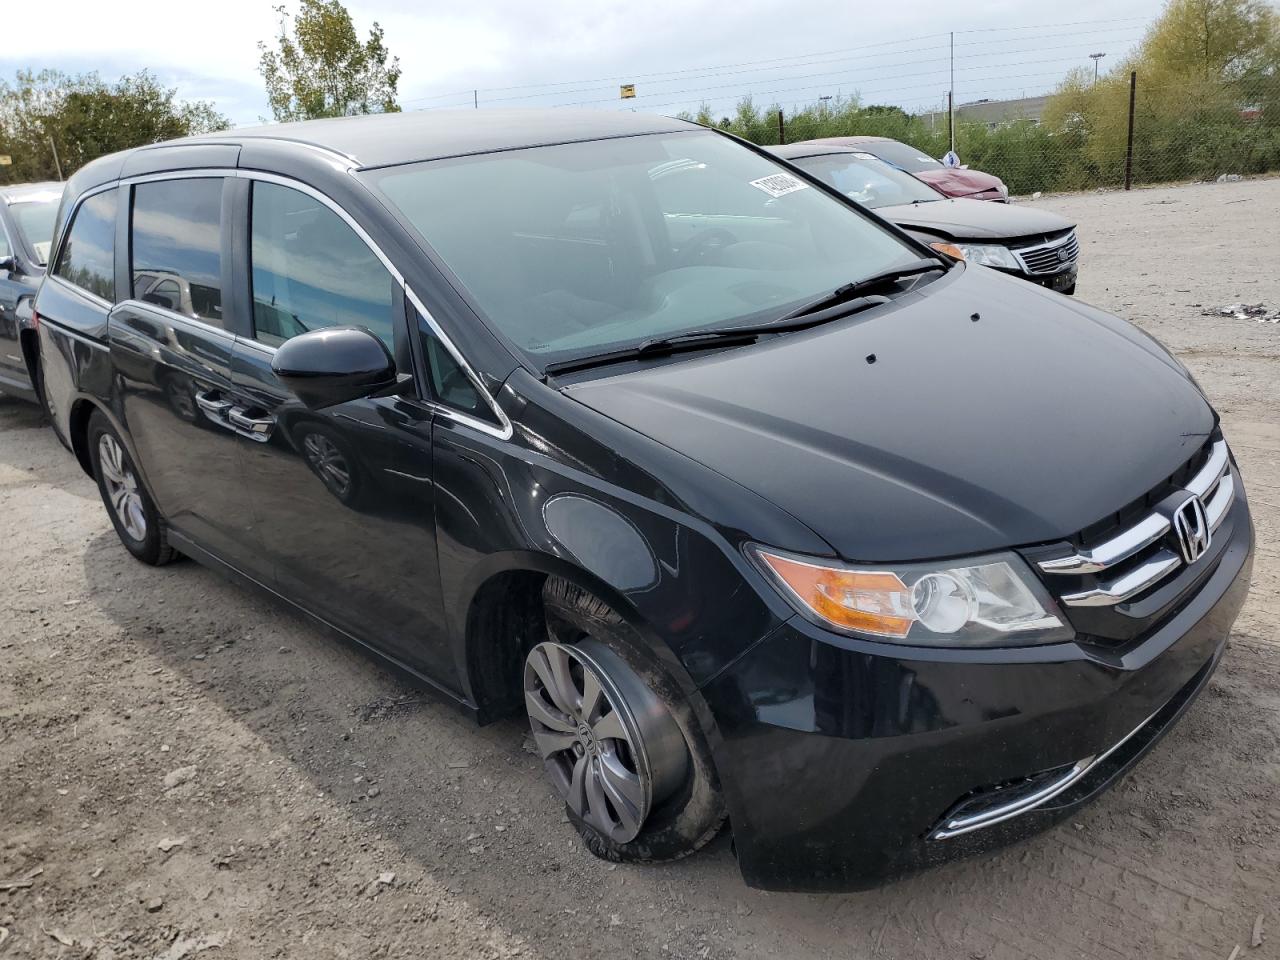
(82, 410)
(504, 615)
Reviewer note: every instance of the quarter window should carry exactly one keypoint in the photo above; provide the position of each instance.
(177, 246)
(311, 270)
(87, 257)
(449, 382)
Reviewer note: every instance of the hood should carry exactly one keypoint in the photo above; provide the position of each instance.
(913, 432)
(975, 219)
(955, 182)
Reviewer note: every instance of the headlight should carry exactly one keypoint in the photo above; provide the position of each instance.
(1004, 189)
(990, 255)
(991, 601)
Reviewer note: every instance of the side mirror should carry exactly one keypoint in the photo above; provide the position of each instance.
(9, 264)
(326, 367)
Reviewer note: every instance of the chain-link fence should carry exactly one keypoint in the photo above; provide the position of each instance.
(1081, 138)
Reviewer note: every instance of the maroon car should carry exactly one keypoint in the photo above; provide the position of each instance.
(952, 181)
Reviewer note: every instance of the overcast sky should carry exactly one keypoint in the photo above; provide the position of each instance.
(678, 52)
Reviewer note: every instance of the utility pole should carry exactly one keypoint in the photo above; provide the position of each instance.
(475, 98)
(782, 133)
(951, 97)
(54, 147)
(1128, 154)
(1095, 57)
(951, 122)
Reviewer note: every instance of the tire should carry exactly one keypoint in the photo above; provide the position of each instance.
(138, 523)
(691, 812)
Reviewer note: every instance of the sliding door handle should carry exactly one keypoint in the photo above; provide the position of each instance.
(258, 427)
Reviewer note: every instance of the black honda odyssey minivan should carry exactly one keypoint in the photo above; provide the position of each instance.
(763, 512)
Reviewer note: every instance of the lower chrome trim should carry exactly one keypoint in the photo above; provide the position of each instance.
(956, 826)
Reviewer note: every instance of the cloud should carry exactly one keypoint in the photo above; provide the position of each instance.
(210, 51)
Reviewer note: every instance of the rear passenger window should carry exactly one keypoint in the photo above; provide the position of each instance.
(177, 246)
(311, 270)
(87, 257)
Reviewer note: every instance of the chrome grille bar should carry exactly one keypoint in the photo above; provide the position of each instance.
(1140, 578)
(1217, 506)
(1215, 485)
(1043, 257)
(1150, 528)
(1108, 554)
(1211, 472)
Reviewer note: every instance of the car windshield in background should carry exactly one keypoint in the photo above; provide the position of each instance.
(905, 157)
(35, 220)
(578, 248)
(871, 182)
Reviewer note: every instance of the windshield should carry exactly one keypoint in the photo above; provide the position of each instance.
(574, 249)
(902, 156)
(871, 182)
(35, 222)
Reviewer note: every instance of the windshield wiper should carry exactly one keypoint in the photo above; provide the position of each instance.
(657, 346)
(851, 290)
(708, 339)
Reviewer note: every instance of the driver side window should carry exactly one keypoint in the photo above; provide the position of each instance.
(311, 270)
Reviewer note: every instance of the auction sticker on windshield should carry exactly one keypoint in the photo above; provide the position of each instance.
(779, 184)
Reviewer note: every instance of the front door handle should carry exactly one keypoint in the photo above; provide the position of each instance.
(212, 404)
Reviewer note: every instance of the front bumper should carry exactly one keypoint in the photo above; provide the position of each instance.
(841, 760)
(1064, 281)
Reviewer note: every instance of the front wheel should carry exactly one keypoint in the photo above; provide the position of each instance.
(618, 739)
(138, 524)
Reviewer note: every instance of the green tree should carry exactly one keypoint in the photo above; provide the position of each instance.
(320, 68)
(1208, 99)
(83, 117)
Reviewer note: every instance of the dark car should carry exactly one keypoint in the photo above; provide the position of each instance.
(1029, 243)
(26, 231)
(952, 181)
(760, 510)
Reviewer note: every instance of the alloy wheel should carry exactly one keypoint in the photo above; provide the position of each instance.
(610, 747)
(122, 487)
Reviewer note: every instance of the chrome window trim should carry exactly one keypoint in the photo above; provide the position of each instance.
(201, 326)
(503, 430)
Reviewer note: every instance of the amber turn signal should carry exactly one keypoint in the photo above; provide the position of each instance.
(948, 250)
(871, 602)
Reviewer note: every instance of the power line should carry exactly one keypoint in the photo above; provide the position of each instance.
(828, 78)
(673, 74)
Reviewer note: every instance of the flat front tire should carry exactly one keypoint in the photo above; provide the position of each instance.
(137, 522)
(618, 738)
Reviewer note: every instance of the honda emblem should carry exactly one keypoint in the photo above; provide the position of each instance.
(1191, 526)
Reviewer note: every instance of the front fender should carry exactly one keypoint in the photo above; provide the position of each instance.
(617, 513)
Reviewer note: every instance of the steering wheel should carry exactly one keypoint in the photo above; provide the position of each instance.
(705, 243)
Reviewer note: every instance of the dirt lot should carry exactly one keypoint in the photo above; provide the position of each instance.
(188, 767)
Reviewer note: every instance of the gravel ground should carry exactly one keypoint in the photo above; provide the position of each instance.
(188, 767)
